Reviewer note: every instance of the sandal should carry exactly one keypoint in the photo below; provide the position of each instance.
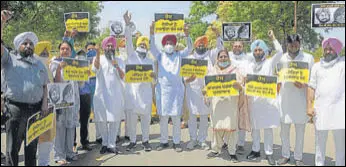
(62, 162)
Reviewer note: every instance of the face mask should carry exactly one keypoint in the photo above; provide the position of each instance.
(201, 50)
(329, 57)
(169, 49)
(237, 52)
(224, 64)
(142, 53)
(122, 50)
(91, 53)
(259, 58)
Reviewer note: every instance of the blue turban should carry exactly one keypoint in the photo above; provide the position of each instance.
(261, 44)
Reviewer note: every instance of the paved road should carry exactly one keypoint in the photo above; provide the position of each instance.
(196, 157)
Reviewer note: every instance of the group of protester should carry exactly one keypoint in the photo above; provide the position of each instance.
(25, 81)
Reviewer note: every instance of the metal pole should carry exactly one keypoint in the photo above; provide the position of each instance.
(295, 17)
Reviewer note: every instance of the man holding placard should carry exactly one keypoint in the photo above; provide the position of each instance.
(139, 101)
(264, 112)
(242, 60)
(194, 84)
(170, 88)
(292, 97)
(25, 82)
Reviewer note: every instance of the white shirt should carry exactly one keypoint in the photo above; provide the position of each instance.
(292, 100)
(329, 85)
(264, 111)
(109, 92)
(170, 88)
(138, 95)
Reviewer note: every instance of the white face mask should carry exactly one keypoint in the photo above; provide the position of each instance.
(169, 49)
(141, 50)
(122, 50)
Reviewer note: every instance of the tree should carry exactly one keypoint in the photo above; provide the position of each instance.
(46, 18)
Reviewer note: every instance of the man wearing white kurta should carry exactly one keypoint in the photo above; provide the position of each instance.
(109, 94)
(139, 97)
(327, 88)
(194, 96)
(170, 88)
(264, 111)
(241, 60)
(292, 103)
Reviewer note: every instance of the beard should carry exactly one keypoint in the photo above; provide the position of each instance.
(109, 54)
(27, 52)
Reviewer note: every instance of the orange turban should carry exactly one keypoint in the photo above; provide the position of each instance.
(202, 39)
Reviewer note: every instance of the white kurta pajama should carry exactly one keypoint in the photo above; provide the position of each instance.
(264, 111)
(125, 114)
(194, 97)
(66, 122)
(169, 89)
(242, 63)
(292, 107)
(108, 100)
(139, 95)
(328, 81)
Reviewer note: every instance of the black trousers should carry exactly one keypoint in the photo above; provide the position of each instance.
(84, 115)
(16, 133)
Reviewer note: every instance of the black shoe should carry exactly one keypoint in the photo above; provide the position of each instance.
(177, 147)
(3, 156)
(234, 159)
(103, 150)
(112, 150)
(130, 146)
(162, 146)
(224, 146)
(86, 147)
(283, 161)
(271, 160)
(99, 141)
(127, 138)
(240, 150)
(212, 155)
(299, 163)
(146, 146)
(118, 140)
(253, 155)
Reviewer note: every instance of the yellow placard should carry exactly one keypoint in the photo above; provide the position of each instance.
(294, 71)
(221, 85)
(138, 73)
(196, 67)
(92, 74)
(169, 23)
(261, 86)
(76, 70)
(38, 124)
(77, 20)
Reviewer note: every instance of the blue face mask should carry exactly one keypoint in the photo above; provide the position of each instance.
(91, 53)
(224, 64)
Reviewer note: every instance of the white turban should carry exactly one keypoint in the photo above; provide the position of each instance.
(22, 37)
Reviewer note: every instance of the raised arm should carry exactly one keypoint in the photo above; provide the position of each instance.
(5, 15)
(186, 52)
(128, 36)
(279, 52)
(153, 49)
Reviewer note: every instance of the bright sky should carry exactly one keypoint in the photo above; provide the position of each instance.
(143, 14)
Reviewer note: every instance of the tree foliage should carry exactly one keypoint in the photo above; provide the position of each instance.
(46, 18)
